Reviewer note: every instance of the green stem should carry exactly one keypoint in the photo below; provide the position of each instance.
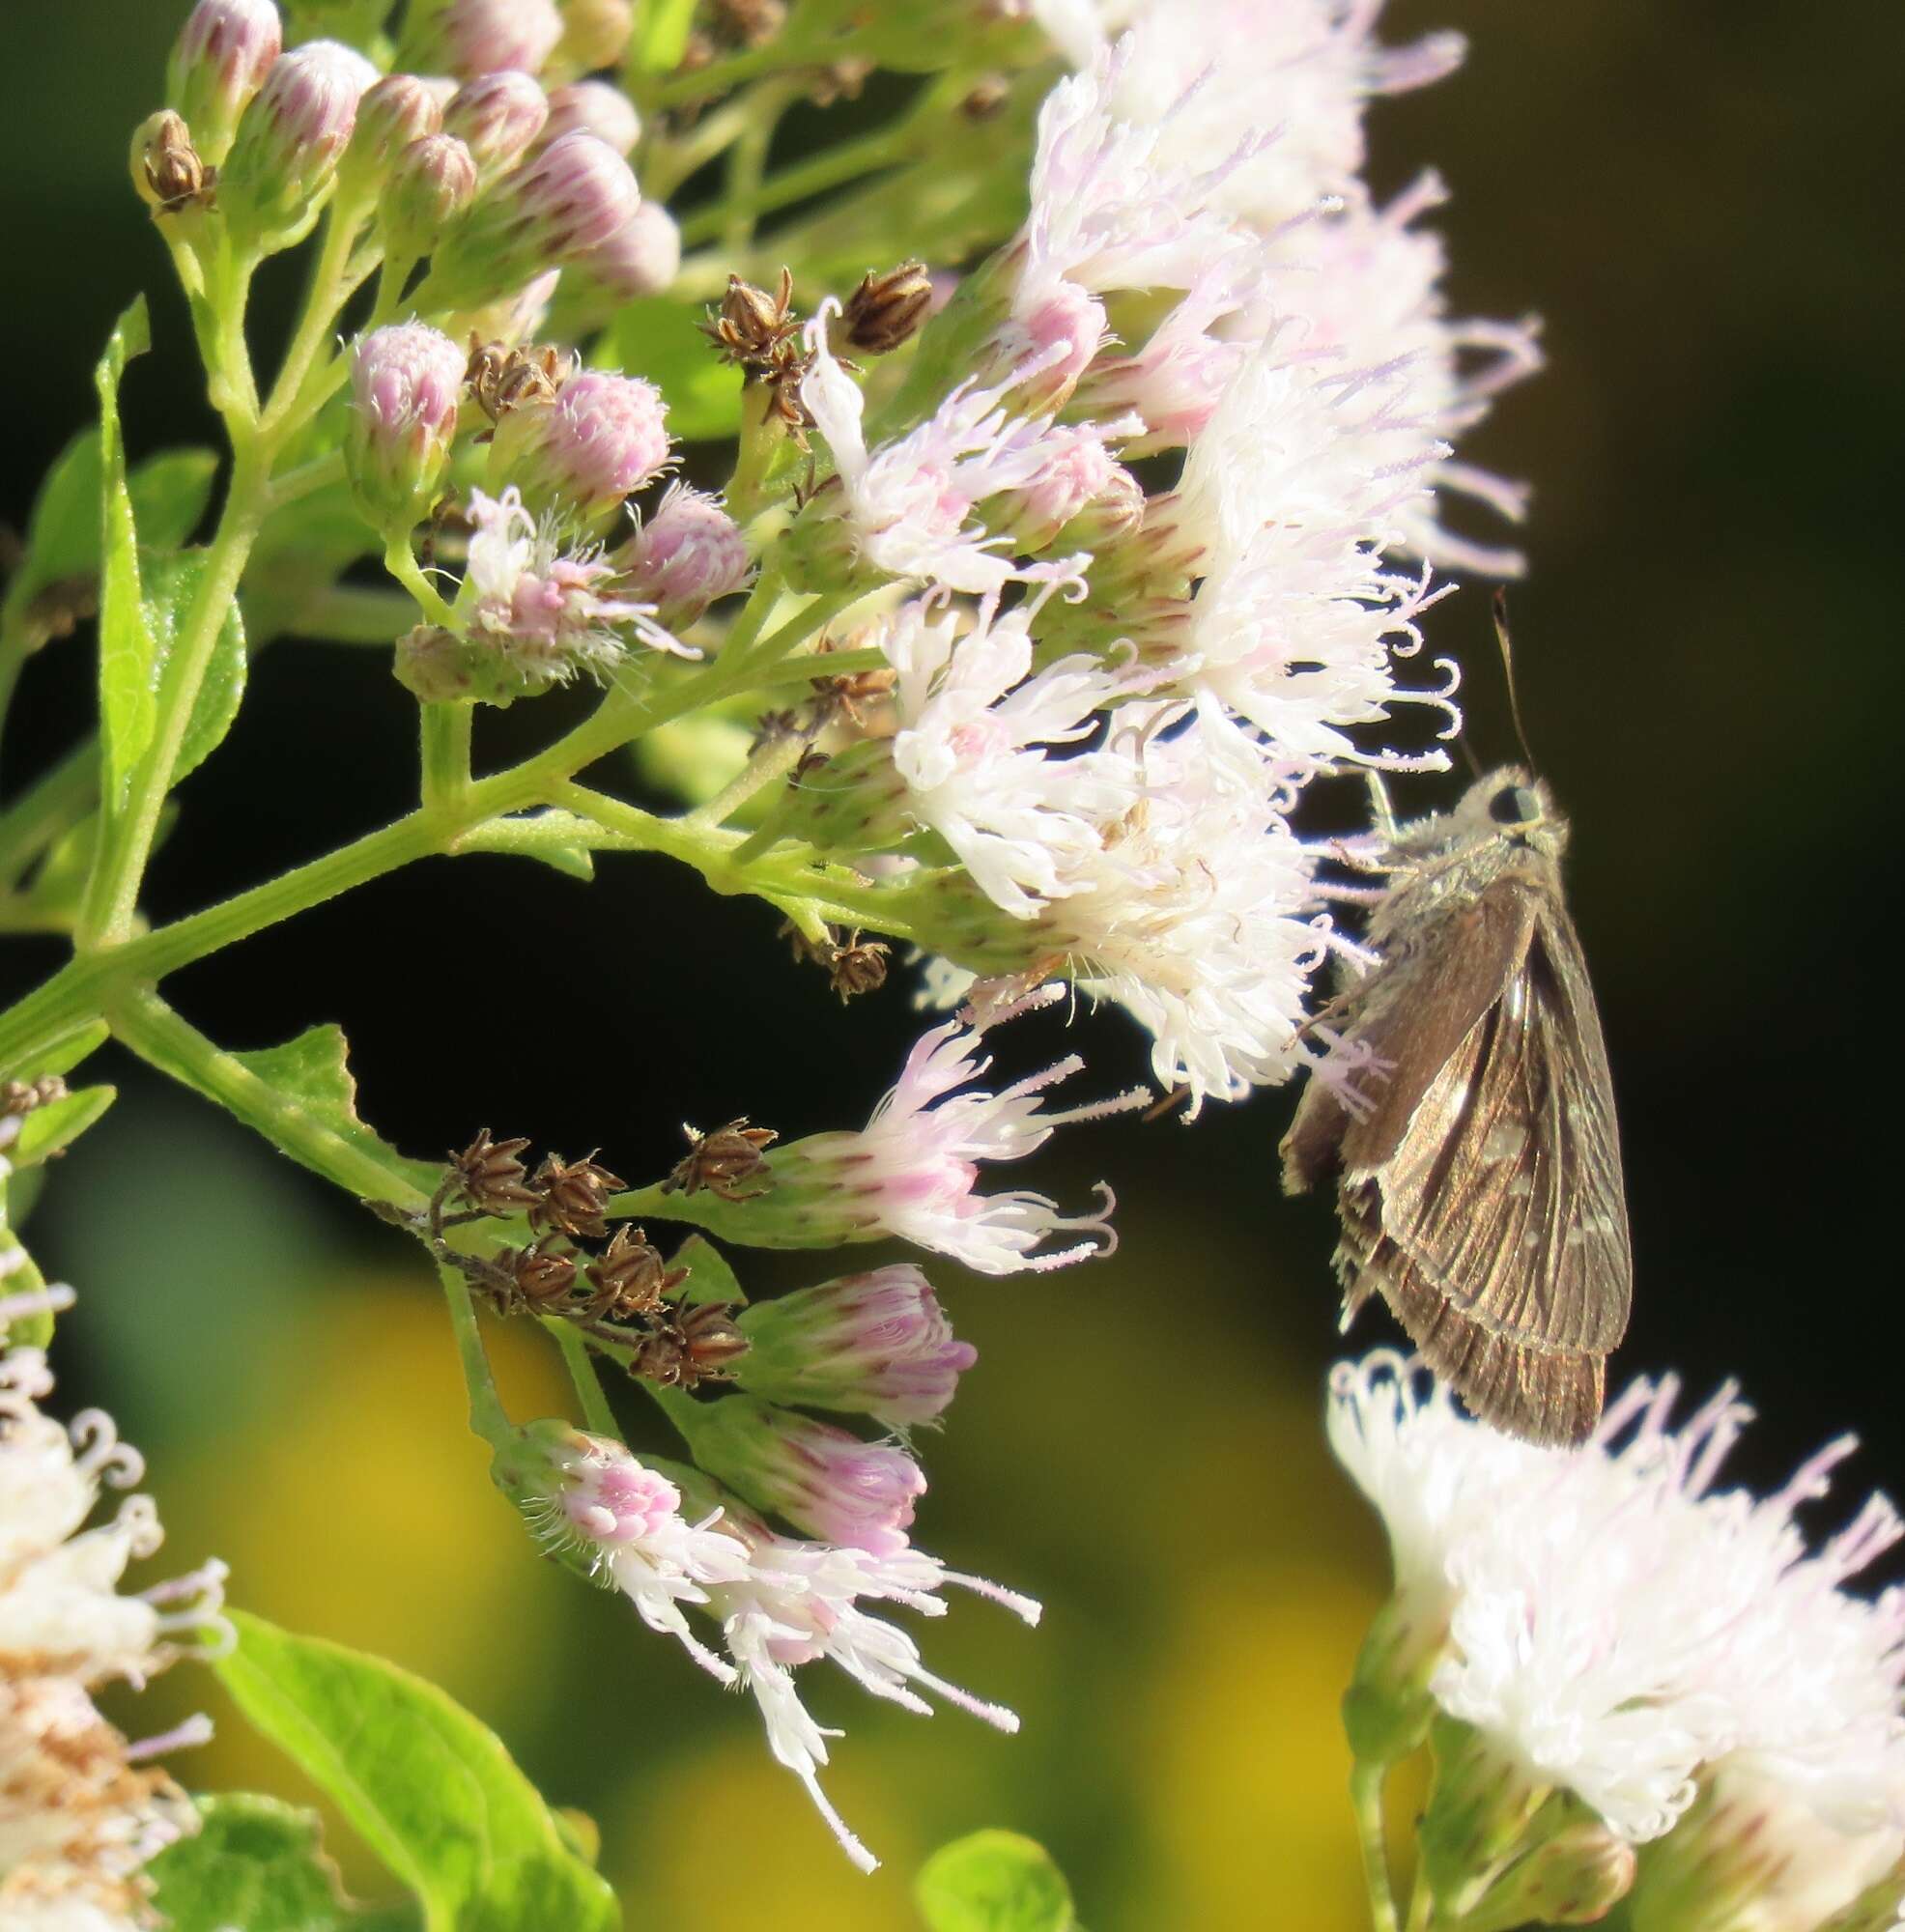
(332, 282)
(773, 760)
(760, 437)
(747, 158)
(1366, 1801)
(667, 163)
(581, 1364)
(721, 76)
(833, 167)
(52, 805)
(112, 892)
(230, 387)
(405, 568)
(349, 613)
(317, 474)
(488, 1418)
(446, 779)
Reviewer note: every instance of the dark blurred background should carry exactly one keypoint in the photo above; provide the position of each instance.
(1690, 197)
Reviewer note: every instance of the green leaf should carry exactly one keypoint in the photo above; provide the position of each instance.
(709, 1276)
(170, 492)
(128, 665)
(433, 1792)
(66, 1052)
(993, 1881)
(662, 37)
(311, 1075)
(63, 532)
(171, 584)
(662, 340)
(54, 1127)
(256, 1865)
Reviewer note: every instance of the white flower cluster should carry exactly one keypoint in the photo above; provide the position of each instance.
(80, 1813)
(1613, 1624)
(1202, 269)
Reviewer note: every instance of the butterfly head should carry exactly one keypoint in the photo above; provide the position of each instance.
(1512, 806)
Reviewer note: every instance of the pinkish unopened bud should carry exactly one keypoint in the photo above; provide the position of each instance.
(595, 107)
(684, 556)
(827, 1482)
(641, 258)
(1058, 338)
(432, 183)
(406, 386)
(290, 140)
(601, 437)
(873, 1344)
(595, 34)
(394, 111)
(554, 209)
(497, 118)
(1079, 476)
(470, 37)
(222, 55)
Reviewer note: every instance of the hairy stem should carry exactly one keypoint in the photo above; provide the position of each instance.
(581, 1364)
(1366, 1801)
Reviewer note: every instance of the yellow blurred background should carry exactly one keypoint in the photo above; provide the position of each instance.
(1205, 1569)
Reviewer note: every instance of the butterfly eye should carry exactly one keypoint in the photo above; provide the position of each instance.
(1515, 805)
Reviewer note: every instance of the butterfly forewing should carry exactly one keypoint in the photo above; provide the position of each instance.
(1480, 1184)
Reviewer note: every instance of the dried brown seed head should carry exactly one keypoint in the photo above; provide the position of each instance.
(887, 310)
(752, 326)
(541, 1274)
(988, 96)
(489, 1177)
(502, 378)
(748, 23)
(168, 171)
(630, 1278)
(860, 966)
(572, 1198)
(711, 1342)
(20, 1097)
(724, 1162)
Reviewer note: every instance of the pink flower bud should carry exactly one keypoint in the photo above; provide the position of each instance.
(1078, 474)
(406, 386)
(223, 53)
(554, 210)
(868, 1344)
(827, 1482)
(289, 141)
(641, 258)
(431, 184)
(595, 34)
(395, 111)
(602, 436)
(497, 118)
(595, 107)
(688, 553)
(471, 38)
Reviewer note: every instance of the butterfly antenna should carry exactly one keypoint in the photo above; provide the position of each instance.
(1498, 607)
